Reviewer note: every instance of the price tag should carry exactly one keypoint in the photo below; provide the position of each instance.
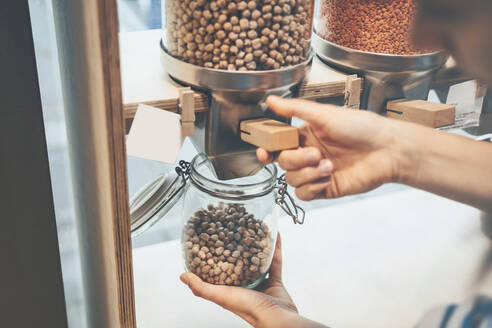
(468, 105)
(155, 134)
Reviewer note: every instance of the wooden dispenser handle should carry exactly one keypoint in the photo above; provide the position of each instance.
(269, 134)
(434, 115)
(187, 111)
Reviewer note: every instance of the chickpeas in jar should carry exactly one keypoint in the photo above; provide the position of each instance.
(239, 35)
(226, 245)
(378, 26)
(229, 226)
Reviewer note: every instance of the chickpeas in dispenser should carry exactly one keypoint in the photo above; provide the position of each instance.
(379, 26)
(239, 35)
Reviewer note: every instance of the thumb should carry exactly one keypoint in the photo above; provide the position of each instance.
(276, 268)
(306, 110)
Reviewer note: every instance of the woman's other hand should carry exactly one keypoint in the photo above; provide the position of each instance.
(342, 151)
(268, 306)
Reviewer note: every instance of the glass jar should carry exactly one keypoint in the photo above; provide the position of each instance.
(378, 26)
(238, 35)
(229, 228)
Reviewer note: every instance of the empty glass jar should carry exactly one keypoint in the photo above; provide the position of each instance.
(238, 35)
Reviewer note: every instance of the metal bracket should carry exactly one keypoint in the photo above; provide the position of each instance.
(186, 107)
(353, 87)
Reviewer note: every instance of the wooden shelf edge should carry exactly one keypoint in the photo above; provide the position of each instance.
(306, 91)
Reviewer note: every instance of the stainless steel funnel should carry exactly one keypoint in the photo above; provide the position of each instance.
(386, 77)
(234, 96)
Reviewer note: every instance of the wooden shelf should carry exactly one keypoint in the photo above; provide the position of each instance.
(145, 81)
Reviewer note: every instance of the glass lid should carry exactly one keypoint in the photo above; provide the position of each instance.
(154, 201)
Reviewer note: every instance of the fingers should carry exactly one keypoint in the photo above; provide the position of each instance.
(296, 159)
(292, 159)
(306, 110)
(235, 299)
(276, 268)
(312, 191)
(264, 156)
(309, 174)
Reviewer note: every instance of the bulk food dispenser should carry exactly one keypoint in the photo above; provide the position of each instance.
(238, 52)
(372, 39)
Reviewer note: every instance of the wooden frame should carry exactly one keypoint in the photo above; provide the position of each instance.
(87, 37)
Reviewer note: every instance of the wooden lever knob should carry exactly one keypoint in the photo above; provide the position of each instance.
(423, 112)
(269, 134)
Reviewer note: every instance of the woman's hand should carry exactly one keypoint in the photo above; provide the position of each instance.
(342, 152)
(268, 306)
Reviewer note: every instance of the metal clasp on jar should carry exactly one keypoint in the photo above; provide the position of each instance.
(183, 170)
(287, 203)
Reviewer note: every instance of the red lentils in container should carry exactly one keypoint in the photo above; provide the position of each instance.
(380, 26)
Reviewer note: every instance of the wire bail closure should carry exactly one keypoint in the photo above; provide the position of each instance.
(283, 199)
(183, 170)
(287, 203)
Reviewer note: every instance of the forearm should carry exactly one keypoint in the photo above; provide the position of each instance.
(291, 320)
(448, 165)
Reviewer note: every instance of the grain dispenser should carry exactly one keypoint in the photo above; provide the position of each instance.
(371, 38)
(238, 53)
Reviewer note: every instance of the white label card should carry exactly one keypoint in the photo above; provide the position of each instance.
(468, 107)
(155, 134)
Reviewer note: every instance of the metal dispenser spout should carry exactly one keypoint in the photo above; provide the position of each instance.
(234, 97)
(217, 131)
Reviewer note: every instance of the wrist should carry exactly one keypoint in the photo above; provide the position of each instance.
(298, 321)
(277, 317)
(289, 319)
(405, 148)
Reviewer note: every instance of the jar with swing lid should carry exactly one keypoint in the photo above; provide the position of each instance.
(229, 228)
